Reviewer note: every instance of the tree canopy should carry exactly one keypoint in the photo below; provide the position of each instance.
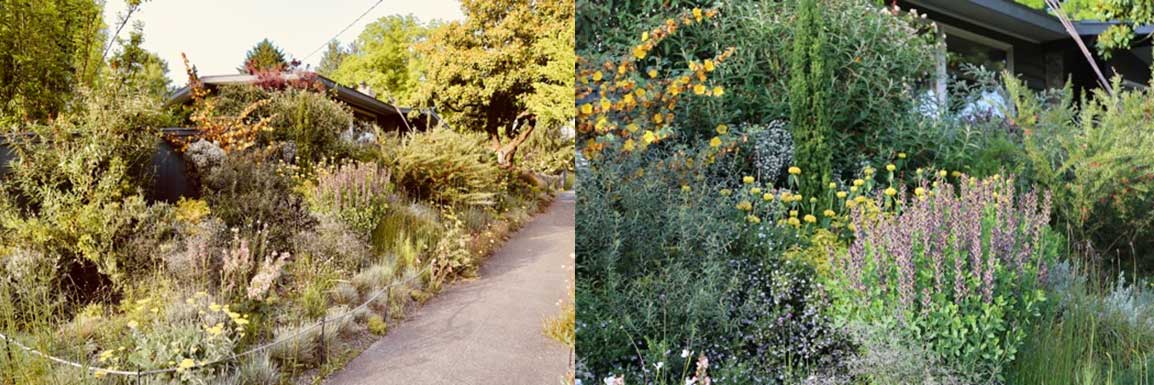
(383, 58)
(507, 62)
(47, 48)
(264, 57)
(334, 55)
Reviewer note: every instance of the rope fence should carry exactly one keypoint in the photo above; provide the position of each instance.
(151, 372)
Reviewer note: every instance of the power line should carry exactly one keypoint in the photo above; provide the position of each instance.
(326, 43)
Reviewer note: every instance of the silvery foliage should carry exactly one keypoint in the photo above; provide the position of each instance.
(772, 148)
(205, 155)
(1129, 302)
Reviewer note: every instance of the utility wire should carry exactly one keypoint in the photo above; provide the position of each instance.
(326, 43)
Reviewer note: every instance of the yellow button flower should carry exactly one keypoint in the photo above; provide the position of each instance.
(639, 52)
(722, 129)
(890, 167)
(715, 142)
(810, 218)
(901, 155)
(767, 197)
(709, 65)
(753, 219)
(829, 213)
(744, 206)
(793, 213)
(747, 180)
(597, 76)
(793, 221)
(890, 191)
(699, 89)
(942, 173)
(652, 74)
(718, 91)
(858, 182)
(685, 188)
(859, 199)
(755, 191)
(587, 109)
(841, 194)
(919, 191)
(794, 170)
(645, 36)
(726, 192)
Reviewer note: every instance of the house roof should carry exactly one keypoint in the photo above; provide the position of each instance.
(355, 99)
(1014, 19)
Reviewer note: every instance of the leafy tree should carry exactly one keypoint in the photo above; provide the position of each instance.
(334, 55)
(139, 69)
(383, 57)
(492, 71)
(47, 48)
(264, 57)
(1127, 12)
(809, 87)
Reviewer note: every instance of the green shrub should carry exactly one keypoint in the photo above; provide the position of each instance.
(1097, 158)
(809, 99)
(308, 119)
(377, 325)
(662, 268)
(75, 193)
(446, 167)
(251, 192)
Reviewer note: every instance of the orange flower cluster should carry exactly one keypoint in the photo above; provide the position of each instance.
(619, 101)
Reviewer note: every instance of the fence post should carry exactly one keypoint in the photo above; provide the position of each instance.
(324, 349)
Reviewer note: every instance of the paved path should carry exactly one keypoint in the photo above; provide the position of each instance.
(487, 330)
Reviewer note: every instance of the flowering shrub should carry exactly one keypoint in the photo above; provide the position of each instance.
(633, 106)
(355, 192)
(961, 272)
(445, 167)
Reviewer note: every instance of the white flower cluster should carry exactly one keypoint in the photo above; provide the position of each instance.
(772, 149)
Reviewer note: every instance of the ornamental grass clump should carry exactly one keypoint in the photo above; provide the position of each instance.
(958, 268)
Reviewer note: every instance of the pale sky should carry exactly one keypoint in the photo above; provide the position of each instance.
(215, 34)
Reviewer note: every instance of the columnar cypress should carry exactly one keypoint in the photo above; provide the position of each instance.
(809, 86)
